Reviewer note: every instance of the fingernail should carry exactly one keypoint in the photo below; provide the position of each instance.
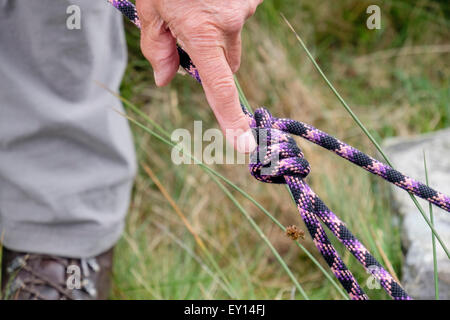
(157, 77)
(246, 142)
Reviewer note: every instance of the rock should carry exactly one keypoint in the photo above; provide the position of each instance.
(407, 156)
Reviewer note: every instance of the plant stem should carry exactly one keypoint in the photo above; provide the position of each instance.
(227, 285)
(433, 240)
(364, 129)
(262, 235)
(135, 109)
(252, 222)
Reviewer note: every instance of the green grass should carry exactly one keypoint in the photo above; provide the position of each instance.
(393, 90)
(433, 238)
(163, 136)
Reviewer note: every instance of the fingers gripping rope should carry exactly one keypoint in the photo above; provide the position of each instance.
(279, 160)
(129, 10)
(316, 136)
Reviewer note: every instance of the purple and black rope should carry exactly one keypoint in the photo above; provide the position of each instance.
(278, 159)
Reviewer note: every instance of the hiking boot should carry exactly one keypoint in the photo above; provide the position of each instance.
(31, 276)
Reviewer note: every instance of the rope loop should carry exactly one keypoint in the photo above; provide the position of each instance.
(277, 154)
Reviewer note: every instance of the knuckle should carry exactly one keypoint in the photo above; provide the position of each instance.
(196, 24)
(228, 18)
(231, 22)
(146, 51)
(165, 58)
(200, 33)
(159, 59)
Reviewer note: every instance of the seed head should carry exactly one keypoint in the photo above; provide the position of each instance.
(295, 233)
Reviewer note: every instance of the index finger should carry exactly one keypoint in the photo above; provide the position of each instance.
(222, 95)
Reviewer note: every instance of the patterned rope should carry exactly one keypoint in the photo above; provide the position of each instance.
(279, 160)
(364, 161)
(282, 159)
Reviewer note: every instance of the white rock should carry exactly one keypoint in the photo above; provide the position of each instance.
(407, 156)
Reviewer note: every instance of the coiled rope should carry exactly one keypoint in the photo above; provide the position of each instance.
(278, 159)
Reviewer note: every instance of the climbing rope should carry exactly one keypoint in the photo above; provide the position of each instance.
(278, 159)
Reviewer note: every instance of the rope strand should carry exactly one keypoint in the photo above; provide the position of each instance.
(282, 158)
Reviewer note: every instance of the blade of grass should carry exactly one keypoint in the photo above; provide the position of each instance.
(242, 97)
(201, 244)
(433, 240)
(385, 257)
(244, 101)
(262, 235)
(267, 213)
(135, 109)
(364, 129)
(243, 211)
(137, 275)
(180, 243)
(173, 204)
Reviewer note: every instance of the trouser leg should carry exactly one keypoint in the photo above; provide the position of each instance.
(67, 161)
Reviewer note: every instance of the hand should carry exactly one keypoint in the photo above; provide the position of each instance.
(210, 32)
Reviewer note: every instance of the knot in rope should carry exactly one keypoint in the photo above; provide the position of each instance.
(277, 154)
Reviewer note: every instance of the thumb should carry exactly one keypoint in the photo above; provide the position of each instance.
(221, 92)
(159, 47)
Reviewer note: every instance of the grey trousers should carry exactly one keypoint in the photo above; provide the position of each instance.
(67, 161)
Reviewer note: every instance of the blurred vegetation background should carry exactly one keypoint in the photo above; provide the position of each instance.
(395, 79)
